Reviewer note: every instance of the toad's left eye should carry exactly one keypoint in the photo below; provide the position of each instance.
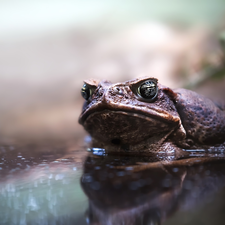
(148, 90)
(86, 92)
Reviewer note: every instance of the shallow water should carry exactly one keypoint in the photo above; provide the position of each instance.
(86, 188)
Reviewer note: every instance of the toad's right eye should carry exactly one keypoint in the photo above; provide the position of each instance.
(86, 92)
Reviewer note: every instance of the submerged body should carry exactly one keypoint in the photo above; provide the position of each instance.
(142, 116)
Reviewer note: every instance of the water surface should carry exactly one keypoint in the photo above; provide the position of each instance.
(85, 188)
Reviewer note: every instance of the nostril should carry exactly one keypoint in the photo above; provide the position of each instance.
(118, 90)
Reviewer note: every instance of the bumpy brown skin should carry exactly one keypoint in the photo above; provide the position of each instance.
(202, 119)
(120, 121)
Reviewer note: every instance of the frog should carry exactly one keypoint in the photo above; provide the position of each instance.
(142, 116)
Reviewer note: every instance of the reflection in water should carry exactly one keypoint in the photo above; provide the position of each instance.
(40, 188)
(126, 190)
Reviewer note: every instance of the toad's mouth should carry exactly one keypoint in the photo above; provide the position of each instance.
(138, 111)
(121, 127)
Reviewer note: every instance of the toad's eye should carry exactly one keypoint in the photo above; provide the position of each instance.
(148, 90)
(86, 92)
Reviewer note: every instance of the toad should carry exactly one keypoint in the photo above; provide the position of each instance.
(142, 116)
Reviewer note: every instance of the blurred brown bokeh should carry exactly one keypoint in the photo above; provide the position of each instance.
(41, 75)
